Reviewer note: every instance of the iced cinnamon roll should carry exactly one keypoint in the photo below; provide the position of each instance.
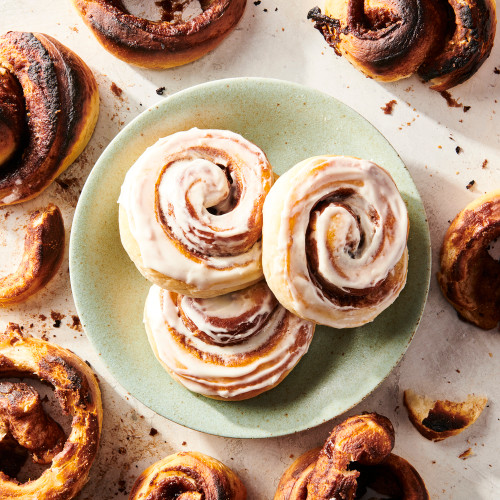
(191, 212)
(231, 347)
(334, 240)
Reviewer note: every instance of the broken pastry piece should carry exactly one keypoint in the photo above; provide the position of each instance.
(438, 420)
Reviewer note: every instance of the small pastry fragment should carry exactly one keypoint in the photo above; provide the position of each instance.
(43, 253)
(437, 420)
(357, 454)
(175, 40)
(188, 475)
(334, 240)
(191, 212)
(470, 277)
(231, 347)
(78, 393)
(444, 41)
(49, 105)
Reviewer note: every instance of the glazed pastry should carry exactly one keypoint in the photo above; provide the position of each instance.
(438, 420)
(231, 347)
(77, 390)
(160, 44)
(43, 253)
(334, 240)
(49, 104)
(445, 41)
(189, 475)
(361, 442)
(191, 212)
(470, 276)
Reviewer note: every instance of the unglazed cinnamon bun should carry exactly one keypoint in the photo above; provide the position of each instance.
(49, 105)
(43, 253)
(356, 455)
(78, 393)
(160, 44)
(191, 212)
(469, 275)
(445, 41)
(334, 240)
(189, 475)
(231, 347)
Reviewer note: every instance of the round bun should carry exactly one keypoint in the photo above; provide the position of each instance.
(334, 240)
(160, 44)
(231, 347)
(46, 116)
(191, 212)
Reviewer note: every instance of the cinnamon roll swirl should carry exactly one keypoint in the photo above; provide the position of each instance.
(173, 41)
(49, 105)
(445, 41)
(189, 475)
(334, 240)
(356, 455)
(191, 212)
(231, 347)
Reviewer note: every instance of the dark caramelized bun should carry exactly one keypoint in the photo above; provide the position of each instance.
(161, 44)
(48, 111)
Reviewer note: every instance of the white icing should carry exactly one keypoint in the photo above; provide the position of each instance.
(195, 182)
(225, 377)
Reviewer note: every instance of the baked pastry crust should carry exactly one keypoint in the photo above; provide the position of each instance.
(78, 392)
(188, 475)
(329, 472)
(334, 240)
(159, 44)
(60, 108)
(43, 254)
(470, 277)
(232, 347)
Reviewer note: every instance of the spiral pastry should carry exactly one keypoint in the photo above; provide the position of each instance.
(469, 275)
(78, 393)
(231, 347)
(160, 44)
(191, 212)
(42, 256)
(334, 240)
(188, 475)
(445, 41)
(49, 105)
(357, 454)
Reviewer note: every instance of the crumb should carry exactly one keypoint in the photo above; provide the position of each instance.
(452, 103)
(184, 443)
(466, 454)
(458, 150)
(116, 90)
(57, 317)
(153, 432)
(75, 29)
(485, 164)
(389, 107)
(44, 337)
(496, 71)
(57, 323)
(265, 10)
(257, 2)
(471, 183)
(490, 354)
(76, 325)
(122, 450)
(160, 90)
(466, 108)
(292, 455)
(42, 317)
(457, 370)
(61, 183)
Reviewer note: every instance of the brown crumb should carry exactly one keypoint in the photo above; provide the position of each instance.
(116, 90)
(471, 183)
(458, 150)
(122, 450)
(485, 164)
(153, 432)
(160, 90)
(42, 317)
(466, 454)
(76, 325)
(57, 317)
(292, 455)
(466, 108)
(74, 28)
(452, 103)
(184, 443)
(496, 71)
(44, 337)
(389, 107)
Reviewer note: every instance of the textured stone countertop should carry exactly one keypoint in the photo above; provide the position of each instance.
(444, 148)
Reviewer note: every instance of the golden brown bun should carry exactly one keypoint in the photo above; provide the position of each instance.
(43, 253)
(330, 472)
(438, 420)
(77, 390)
(162, 44)
(188, 475)
(469, 275)
(445, 41)
(60, 109)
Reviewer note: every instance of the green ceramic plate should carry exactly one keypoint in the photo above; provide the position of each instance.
(290, 123)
